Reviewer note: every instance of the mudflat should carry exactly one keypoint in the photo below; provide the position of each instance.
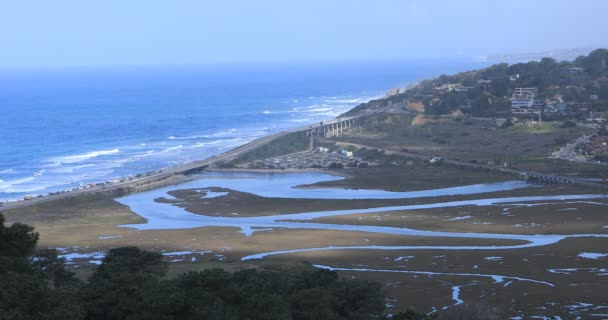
(525, 248)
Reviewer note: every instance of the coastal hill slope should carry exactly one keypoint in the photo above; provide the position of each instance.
(475, 118)
(486, 92)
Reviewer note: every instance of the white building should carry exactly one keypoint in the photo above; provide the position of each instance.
(523, 101)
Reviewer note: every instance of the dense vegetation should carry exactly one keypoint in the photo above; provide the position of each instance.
(132, 284)
(490, 88)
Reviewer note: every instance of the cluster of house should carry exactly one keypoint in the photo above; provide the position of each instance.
(458, 87)
(343, 152)
(524, 102)
(597, 146)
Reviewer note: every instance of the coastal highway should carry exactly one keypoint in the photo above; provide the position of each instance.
(157, 179)
(164, 176)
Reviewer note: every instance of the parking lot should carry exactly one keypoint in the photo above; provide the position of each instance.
(308, 159)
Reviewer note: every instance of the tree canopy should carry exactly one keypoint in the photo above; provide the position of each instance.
(131, 283)
(486, 92)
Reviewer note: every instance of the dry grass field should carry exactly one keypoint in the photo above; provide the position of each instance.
(474, 139)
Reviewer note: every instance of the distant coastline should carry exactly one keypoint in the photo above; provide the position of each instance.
(210, 113)
(156, 179)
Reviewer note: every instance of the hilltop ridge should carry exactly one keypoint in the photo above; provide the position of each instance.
(488, 92)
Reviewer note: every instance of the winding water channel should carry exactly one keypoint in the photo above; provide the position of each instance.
(168, 216)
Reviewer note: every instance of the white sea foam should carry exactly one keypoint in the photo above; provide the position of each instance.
(356, 100)
(301, 120)
(138, 156)
(319, 109)
(7, 171)
(203, 144)
(54, 164)
(11, 183)
(169, 149)
(69, 169)
(203, 136)
(84, 156)
(39, 173)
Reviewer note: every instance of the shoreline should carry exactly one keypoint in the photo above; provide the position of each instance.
(170, 175)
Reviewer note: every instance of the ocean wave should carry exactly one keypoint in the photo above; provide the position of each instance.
(319, 110)
(142, 155)
(283, 111)
(167, 150)
(223, 141)
(203, 144)
(202, 136)
(51, 182)
(84, 156)
(54, 164)
(7, 171)
(317, 105)
(70, 169)
(39, 173)
(355, 100)
(300, 120)
(11, 183)
(331, 114)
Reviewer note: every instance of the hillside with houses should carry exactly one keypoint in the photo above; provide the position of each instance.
(548, 89)
(566, 93)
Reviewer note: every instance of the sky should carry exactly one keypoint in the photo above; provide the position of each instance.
(62, 33)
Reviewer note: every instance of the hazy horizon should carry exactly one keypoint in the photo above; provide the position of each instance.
(69, 33)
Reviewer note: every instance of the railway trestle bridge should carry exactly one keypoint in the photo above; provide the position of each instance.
(330, 129)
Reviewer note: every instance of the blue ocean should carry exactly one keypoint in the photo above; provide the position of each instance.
(60, 128)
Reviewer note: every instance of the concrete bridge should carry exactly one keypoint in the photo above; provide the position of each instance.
(330, 129)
